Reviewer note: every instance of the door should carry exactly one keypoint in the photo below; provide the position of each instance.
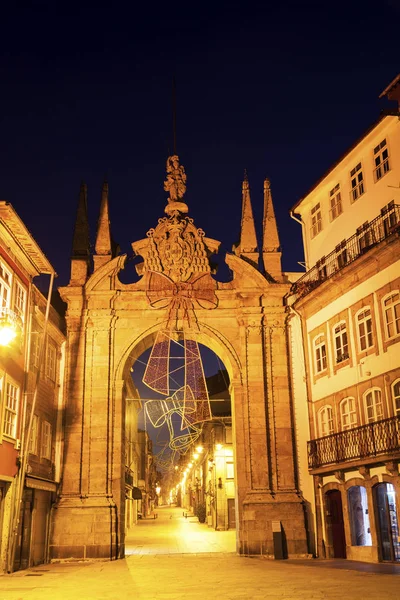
(335, 523)
(388, 529)
(231, 514)
(40, 524)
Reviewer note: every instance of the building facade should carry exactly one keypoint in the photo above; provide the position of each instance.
(31, 370)
(345, 347)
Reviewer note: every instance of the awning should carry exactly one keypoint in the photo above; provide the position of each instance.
(136, 493)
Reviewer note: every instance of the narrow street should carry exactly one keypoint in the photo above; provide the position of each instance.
(172, 533)
(177, 558)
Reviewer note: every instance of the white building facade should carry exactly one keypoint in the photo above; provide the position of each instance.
(345, 349)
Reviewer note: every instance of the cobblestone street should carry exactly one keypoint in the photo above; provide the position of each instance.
(173, 557)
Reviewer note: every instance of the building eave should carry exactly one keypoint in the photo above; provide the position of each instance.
(15, 231)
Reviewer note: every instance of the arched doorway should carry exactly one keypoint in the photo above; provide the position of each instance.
(194, 466)
(387, 521)
(335, 523)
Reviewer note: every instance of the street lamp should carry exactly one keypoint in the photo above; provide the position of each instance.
(10, 326)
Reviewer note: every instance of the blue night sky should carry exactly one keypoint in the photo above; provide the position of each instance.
(281, 89)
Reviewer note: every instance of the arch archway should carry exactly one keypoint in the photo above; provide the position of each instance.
(109, 323)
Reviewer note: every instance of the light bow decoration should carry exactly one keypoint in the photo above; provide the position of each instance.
(178, 280)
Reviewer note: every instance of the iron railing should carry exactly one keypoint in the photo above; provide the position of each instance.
(366, 237)
(374, 439)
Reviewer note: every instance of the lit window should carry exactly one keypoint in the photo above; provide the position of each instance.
(316, 220)
(325, 417)
(5, 286)
(348, 415)
(341, 254)
(335, 202)
(11, 410)
(33, 441)
(230, 473)
(341, 343)
(381, 159)
(46, 440)
(357, 182)
(373, 405)
(396, 396)
(392, 315)
(357, 502)
(19, 300)
(51, 361)
(364, 326)
(320, 354)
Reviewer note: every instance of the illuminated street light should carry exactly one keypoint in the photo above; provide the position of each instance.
(10, 326)
(199, 449)
(195, 456)
(219, 446)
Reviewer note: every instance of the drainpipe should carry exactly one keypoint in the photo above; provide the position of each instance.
(291, 213)
(12, 544)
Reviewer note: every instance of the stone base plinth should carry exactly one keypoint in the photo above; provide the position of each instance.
(85, 528)
(262, 514)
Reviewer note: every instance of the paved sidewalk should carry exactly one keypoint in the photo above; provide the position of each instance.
(171, 569)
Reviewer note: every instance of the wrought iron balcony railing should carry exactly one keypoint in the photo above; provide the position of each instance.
(374, 439)
(366, 237)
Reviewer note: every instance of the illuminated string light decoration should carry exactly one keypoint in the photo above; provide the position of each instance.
(178, 279)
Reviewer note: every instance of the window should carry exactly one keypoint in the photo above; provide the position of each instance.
(381, 159)
(35, 349)
(10, 410)
(33, 441)
(348, 415)
(340, 341)
(365, 237)
(357, 182)
(325, 418)
(230, 473)
(321, 268)
(19, 300)
(51, 361)
(46, 440)
(373, 405)
(390, 218)
(335, 202)
(341, 254)
(320, 354)
(364, 328)
(316, 220)
(396, 396)
(5, 286)
(392, 314)
(359, 518)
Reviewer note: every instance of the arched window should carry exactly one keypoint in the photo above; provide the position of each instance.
(373, 405)
(340, 341)
(364, 329)
(391, 308)
(320, 354)
(396, 396)
(348, 415)
(325, 421)
(358, 513)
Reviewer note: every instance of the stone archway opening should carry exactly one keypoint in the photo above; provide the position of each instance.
(192, 469)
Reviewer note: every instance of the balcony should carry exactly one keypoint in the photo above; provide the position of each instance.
(366, 237)
(374, 439)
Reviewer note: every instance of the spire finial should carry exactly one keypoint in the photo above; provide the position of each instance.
(80, 242)
(175, 184)
(271, 246)
(247, 246)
